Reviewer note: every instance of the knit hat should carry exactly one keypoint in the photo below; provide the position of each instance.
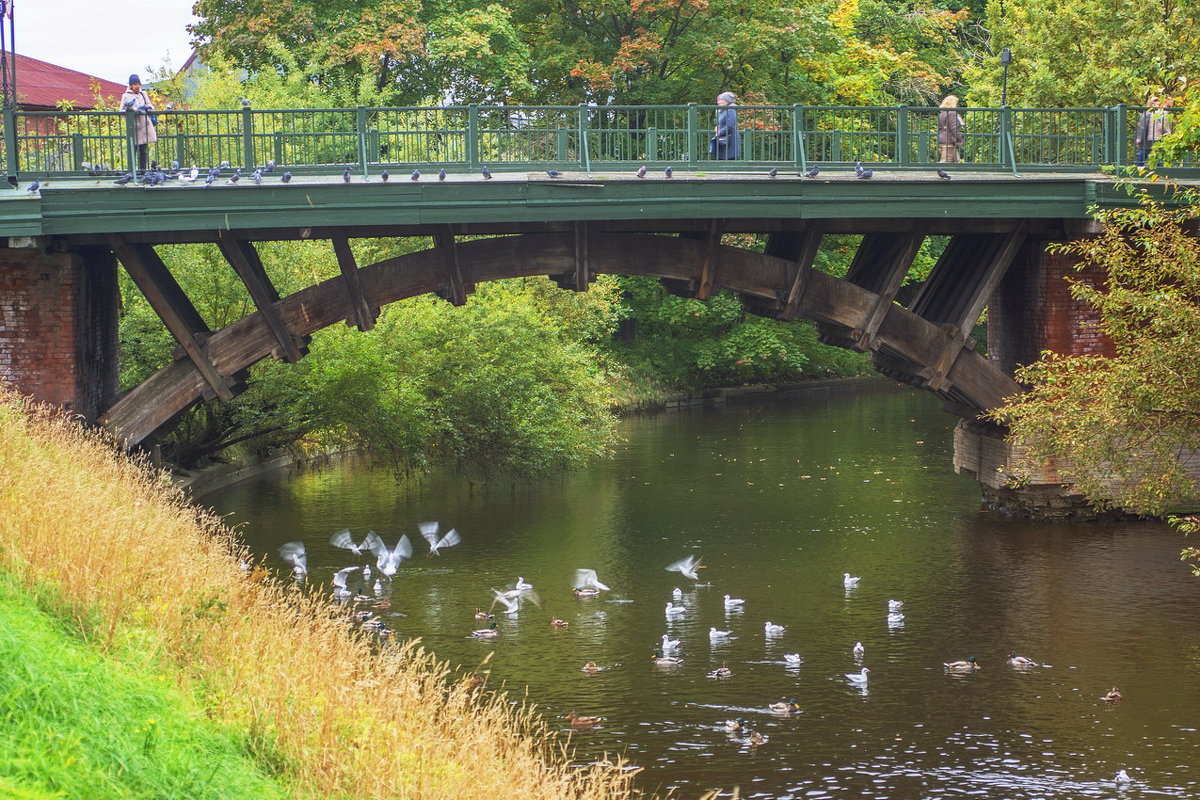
(728, 97)
(134, 79)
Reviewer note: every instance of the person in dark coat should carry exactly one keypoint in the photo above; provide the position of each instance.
(726, 143)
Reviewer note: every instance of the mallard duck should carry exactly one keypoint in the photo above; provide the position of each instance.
(850, 581)
(962, 666)
(1113, 696)
(859, 678)
(1021, 661)
(754, 739)
(486, 633)
(722, 671)
(382, 605)
(558, 623)
(665, 660)
(580, 721)
(586, 592)
(590, 666)
(734, 726)
(482, 614)
(774, 630)
(790, 707)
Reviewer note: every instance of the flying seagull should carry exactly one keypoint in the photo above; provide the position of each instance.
(430, 531)
(294, 554)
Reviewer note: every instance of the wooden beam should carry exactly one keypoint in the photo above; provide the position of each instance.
(455, 290)
(708, 268)
(362, 315)
(244, 259)
(805, 252)
(172, 306)
(583, 271)
(896, 254)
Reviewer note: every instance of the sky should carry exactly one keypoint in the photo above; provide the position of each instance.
(106, 38)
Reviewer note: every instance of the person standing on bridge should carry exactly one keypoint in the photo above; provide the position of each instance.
(136, 100)
(950, 131)
(1152, 126)
(725, 145)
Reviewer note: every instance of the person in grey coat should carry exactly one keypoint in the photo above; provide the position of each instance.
(136, 100)
(725, 143)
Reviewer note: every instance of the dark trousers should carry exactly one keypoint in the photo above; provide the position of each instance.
(143, 155)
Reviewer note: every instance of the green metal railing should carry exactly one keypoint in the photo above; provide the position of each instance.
(587, 138)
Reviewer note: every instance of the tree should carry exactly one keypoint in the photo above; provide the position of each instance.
(1086, 53)
(1126, 427)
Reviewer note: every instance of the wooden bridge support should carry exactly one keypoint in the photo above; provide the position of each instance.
(58, 326)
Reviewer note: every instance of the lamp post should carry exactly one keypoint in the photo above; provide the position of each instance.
(1005, 59)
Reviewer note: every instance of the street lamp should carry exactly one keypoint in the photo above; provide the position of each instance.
(1005, 59)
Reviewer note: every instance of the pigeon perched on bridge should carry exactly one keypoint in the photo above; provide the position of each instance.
(668, 172)
(175, 166)
(287, 177)
(553, 173)
(941, 173)
(346, 175)
(383, 176)
(270, 166)
(641, 172)
(441, 174)
(487, 174)
(212, 176)
(416, 175)
(191, 176)
(33, 187)
(814, 172)
(773, 172)
(222, 165)
(124, 179)
(258, 176)
(865, 175)
(236, 176)
(245, 102)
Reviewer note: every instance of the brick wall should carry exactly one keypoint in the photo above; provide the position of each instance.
(58, 327)
(1032, 310)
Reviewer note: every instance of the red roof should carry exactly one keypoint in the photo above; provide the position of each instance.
(41, 85)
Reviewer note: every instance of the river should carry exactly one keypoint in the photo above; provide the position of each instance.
(780, 497)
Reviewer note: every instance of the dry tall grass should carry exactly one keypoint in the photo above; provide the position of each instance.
(140, 570)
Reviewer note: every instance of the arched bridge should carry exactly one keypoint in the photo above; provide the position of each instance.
(57, 275)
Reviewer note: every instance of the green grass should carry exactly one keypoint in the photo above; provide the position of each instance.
(77, 723)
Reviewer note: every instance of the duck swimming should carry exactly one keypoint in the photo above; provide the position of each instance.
(1113, 696)
(1021, 661)
(590, 666)
(722, 671)
(664, 660)
(962, 666)
(558, 623)
(580, 721)
(790, 707)
(486, 633)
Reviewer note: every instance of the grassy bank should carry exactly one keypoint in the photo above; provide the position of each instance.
(140, 578)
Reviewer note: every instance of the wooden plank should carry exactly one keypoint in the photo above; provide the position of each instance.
(455, 289)
(897, 259)
(801, 271)
(708, 267)
(362, 315)
(583, 274)
(172, 306)
(244, 259)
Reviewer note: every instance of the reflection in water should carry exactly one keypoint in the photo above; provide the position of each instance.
(779, 500)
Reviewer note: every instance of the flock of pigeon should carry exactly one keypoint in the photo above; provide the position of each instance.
(160, 177)
(586, 584)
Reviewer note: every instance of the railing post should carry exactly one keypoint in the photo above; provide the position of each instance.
(473, 136)
(11, 156)
(1116, 135)
(277, 146)
(562, 144)
(131, 161)
(902, 140)
(1008, 154)
(584, 156)
(77, 150)
(652, 144)
(692, 142)
(247, 138)
(798, 153)
(181, 149)
(360, 127)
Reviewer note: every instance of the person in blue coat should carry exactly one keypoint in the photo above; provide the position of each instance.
(725, 143)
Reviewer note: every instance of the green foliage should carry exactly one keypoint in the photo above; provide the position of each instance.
(81, 724)
(689, 344)
(505, 383)
(1086, 53)
(1125, 425)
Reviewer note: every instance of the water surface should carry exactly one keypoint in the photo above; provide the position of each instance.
(780, 498)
